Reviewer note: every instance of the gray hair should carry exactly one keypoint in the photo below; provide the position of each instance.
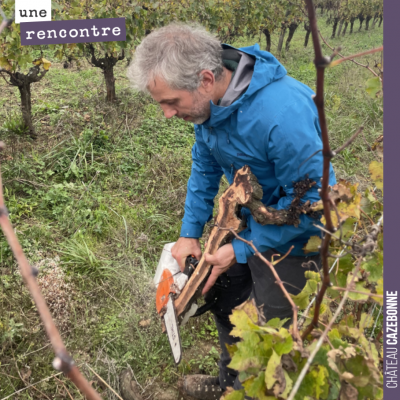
(177, 53)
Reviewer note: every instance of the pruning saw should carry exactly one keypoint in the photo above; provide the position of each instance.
(170, 281)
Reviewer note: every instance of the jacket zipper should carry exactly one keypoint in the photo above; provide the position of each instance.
(217, 149)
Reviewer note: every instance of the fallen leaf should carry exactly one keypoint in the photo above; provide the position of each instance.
(376, 171)
(145, 323)
(26, 373)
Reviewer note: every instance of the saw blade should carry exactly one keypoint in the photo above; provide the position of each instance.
(171, 326)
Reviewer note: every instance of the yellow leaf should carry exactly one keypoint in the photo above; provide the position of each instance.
(46, 64)
(250, 308)
(40, 61)
(379, 290)
(312, 245)
(145, 323)
(4, 63)
(376, 171)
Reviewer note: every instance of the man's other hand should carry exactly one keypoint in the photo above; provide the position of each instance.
(185, 247)
(222, 260)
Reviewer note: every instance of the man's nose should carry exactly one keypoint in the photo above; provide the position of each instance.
(169, 112)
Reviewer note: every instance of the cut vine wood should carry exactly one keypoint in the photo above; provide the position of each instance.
(247, 192)
(244, 191)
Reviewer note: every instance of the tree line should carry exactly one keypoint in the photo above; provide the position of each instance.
(230, 19)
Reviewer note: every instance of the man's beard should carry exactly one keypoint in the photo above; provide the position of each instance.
(201, 109)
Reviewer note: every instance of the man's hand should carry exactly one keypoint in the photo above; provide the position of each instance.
(185, 247)
(221, 261)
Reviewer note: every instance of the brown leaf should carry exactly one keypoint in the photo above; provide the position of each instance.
(87, 117)
(341, 191)
(288, 364)
(145, 323)
(26, 373)
(348, 392)
(280, 386)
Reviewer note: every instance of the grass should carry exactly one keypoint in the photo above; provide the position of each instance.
(99, 194)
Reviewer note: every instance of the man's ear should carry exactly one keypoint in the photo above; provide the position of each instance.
(208, 80)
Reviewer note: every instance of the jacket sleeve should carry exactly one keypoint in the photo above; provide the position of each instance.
(202, 187)
(295, 138)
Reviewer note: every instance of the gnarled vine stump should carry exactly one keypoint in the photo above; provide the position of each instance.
(247, 192)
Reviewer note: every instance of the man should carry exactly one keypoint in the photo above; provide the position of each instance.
(246, 111)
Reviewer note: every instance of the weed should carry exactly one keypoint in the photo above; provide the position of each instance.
(79, 259)
(207, 364)
(14, 125)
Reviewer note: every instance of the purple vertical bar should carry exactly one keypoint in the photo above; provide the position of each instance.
(391, 31)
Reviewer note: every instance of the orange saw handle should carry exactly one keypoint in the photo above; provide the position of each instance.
(165, 287)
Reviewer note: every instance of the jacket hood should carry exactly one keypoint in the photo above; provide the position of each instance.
(267, 69)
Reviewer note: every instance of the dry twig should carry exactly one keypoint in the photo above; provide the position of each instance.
(99, 377)
(351, 140)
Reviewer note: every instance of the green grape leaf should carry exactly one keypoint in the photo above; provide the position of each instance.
(231, 394)
(348, 227)
(255, 386)
(334, 334)
(373, 86)
(301, 299)
(232, 348)
(357, 287)
(4, 63)
(374, 266)
(249, 353)
(370, 349)
(324, 312)
(242, 323)
(249, 307)
(276, 323)
(313, 276)
(285, 346)
(379, 290)
(320, 375)
(366, 321)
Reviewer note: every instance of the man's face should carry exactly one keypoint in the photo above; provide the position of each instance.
(189, 106)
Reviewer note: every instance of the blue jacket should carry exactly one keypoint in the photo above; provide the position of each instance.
(273, 128)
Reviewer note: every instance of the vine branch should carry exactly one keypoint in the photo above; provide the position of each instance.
(320, 62)
(347, 58)
(355, 62)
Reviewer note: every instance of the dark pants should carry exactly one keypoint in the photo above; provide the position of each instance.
(255, 279)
